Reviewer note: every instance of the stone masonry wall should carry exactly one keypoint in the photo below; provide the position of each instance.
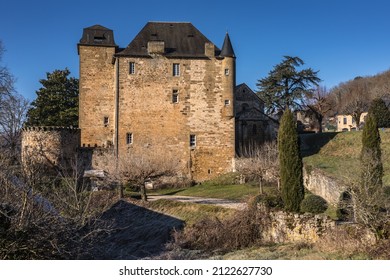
(97, 95)
(289, 227)
(147, 111)
(49, 145)
(322, 185)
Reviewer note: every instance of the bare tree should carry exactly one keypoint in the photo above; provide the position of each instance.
(6, 79)
(137, 167)
(13, 109)
(319, 105)
(260, 163)
(353, 98)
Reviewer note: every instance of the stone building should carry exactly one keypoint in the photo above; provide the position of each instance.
(170, 90)
(252, 125)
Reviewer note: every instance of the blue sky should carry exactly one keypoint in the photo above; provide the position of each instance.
(341, 39)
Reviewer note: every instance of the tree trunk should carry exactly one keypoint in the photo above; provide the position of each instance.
(261, 186)
(143, 193)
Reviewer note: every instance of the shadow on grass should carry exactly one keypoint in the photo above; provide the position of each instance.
(312, 143)
(135, 232)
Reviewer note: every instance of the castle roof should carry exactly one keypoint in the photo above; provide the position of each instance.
(227, 48)
(181, 39)
(97, 35)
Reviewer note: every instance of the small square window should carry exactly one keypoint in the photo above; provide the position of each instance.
(106, 121)
(132, 68)
(192, 141)
(175, 96)
(227, 102)
(129, 138)
(176, 69)
(227, 72)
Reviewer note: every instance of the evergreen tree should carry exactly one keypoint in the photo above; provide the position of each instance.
(370, 202)
(381, 113)
(371, 162)
(57, 101)
(290, 162)
(287, 85)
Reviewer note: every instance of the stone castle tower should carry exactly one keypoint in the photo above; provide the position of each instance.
(170, 90)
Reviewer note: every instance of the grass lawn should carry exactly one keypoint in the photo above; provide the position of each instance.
(339, 154)
(214, 189)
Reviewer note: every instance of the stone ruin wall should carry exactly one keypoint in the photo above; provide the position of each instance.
(52, 146)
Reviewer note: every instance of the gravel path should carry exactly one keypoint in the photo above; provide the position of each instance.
(201, 200)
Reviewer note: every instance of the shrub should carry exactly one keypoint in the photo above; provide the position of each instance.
(314, 204)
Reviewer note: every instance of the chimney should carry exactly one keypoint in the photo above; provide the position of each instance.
(209, 49)
(156, 47)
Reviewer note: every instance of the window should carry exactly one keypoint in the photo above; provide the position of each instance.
(175, 96)
(226, 72)
(132, 68)
(345, 120)
(105, 121)
(129, 138)
(192, 141)
(227, 102)
(176, 69)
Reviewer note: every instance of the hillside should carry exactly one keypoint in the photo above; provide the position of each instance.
(337, 154)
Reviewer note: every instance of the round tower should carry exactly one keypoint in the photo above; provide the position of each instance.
(229, 73)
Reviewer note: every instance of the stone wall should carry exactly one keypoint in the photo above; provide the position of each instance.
(146, 110)
(320, 184)
(53, 146)
(288, 227)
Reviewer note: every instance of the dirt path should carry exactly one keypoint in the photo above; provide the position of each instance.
(201, 200)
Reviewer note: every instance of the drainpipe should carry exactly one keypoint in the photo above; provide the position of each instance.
(116, 108)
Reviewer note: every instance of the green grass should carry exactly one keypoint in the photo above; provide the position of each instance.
(223, 187)
(339, 154)
(189, 212)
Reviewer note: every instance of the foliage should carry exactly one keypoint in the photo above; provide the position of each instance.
(286, 86)
(57, 101)
(314, 204)
(290, 163)
(371, 154)
(370, 203)
(381, 113)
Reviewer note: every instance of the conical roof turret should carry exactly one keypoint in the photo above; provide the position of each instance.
(227, 48)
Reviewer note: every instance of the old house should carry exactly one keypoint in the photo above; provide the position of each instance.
(170, 90)
(347, 123)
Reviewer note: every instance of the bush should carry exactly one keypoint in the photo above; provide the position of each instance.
(314, 204)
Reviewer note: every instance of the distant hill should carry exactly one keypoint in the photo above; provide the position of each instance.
(358, 93)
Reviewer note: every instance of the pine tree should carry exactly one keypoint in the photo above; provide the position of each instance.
(380, 111)
(290, 162)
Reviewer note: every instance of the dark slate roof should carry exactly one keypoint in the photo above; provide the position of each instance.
(227, 48)
(98, 35)
(181, 39)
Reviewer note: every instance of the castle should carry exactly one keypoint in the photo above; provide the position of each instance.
(170, 90)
